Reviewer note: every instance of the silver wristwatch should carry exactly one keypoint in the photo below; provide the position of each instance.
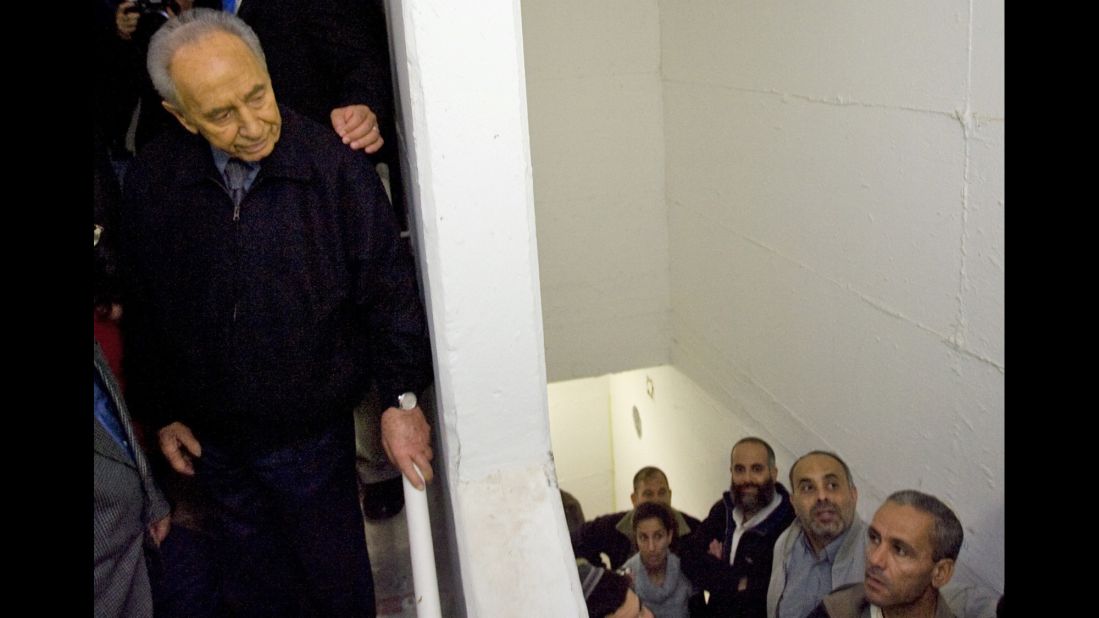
(406, 400)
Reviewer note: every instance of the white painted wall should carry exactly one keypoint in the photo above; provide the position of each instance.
(596, 129)
(684, 431)
(459, 67)
(833, 185)
(580, 430)
(835, 192)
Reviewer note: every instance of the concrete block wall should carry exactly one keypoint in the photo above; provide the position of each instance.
(596, 130)
(835, 191)
(815, 237)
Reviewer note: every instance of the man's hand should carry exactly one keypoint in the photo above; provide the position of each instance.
(357, 126)
(159, 529)
(179, 445)
(406, 437)
(715, 549)
(125, 20)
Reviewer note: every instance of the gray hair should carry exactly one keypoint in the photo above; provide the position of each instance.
(946, 534)
(189, 27)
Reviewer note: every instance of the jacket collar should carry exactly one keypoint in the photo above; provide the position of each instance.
(772, 522)
(194, 163)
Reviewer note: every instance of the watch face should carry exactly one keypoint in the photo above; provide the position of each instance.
(406, 401)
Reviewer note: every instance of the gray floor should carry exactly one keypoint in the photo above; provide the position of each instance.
(389, 559)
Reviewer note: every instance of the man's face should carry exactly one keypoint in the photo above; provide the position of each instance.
(823, 499)
(753, 481)
(652, 543)
(899, 565)
(225, 95)
(653, 489)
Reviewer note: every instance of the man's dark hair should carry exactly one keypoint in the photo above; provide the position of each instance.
(846, 470)
(946, 533)
(648, 473)
(759, 441)
(655, 510)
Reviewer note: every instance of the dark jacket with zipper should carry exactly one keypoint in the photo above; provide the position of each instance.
(752, 565)
(261, 324)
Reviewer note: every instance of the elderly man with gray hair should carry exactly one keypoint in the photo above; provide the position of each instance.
(266, 288)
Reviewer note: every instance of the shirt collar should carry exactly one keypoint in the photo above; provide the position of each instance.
(830, 550)
(221, 159)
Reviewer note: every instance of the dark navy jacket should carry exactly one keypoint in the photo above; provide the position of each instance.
(265, 329)
(753, 558)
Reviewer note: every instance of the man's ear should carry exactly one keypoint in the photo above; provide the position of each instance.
(633, 499)
(173, 110)
(942, 572)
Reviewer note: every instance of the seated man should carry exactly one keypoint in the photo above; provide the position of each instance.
(912, 544)
(729, 555)
(613, 534)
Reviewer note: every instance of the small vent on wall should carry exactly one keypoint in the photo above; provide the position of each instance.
(637, 421)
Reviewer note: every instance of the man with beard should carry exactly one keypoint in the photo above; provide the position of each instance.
(730, 554)
(912, 544)
(823, 548)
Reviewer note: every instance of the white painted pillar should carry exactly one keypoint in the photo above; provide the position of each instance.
(462, 95)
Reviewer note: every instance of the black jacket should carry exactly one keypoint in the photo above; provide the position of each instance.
(266, 329)
(753, 558)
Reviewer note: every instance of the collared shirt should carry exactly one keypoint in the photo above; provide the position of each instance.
(221, 159)
(743, 526)
(107, 415)
(875, 611)
(808, 577)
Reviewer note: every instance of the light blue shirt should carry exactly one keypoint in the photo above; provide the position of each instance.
(221, 159)
(808, 577)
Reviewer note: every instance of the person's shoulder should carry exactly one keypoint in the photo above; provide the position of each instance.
(162, 154)
(846, 600)
(692, 521)
(299, 129)
(781, 517)
(788, 535)
(309, 143)
(610, 520)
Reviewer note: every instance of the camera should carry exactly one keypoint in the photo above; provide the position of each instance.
(152, 15)
(158, 8)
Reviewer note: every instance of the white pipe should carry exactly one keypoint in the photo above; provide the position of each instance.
(424, 580)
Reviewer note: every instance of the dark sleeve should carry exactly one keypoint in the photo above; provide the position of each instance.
(588, 542)
(386, 289)
(692, 522)
(819, 612)
(699, 566)
(146, 387)
(351, 41)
